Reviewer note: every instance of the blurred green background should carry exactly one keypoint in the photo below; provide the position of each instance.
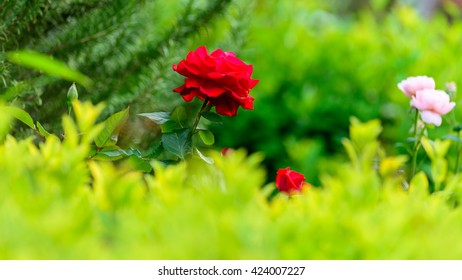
(318, 62)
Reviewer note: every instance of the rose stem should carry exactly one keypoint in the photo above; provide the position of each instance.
(198, 117)
(416, 145)
(456, 169)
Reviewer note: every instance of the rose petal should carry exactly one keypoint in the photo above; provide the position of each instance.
(431, 117)
(211, 90)
(225, 106)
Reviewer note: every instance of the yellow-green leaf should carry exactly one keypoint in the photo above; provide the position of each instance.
(419, 184)
(21, 115)
(111, 127)
(207, 137)
(428, 147)
(42, 130)
(47, 64)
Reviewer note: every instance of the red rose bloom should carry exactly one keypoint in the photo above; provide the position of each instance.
(289, 181)
(220, 77)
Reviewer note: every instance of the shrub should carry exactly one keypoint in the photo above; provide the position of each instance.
(56, 203)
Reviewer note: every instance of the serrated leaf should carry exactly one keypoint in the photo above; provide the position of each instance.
(47, 65)
(156, 149)
(159, 118)
(109, 153)
(112, 125)
(177, 142)
(21, 115)
(139, 164)
(42, 130)
(211, 116)
(115, 153)
(204, 158)
(169, 126)
(207, 137)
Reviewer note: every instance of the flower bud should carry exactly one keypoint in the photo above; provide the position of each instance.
(451, 89)
(290, 181)
(72, 93)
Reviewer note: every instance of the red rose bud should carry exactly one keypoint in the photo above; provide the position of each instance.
(226, 151)
(290, 181)
(220, 76)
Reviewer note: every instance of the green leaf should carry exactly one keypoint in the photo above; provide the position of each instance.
(21, 115)
(419, 185)
(169, 126)
(139, 164)
(177, 142)
(213, 117)
(442, 147)
(159, 118)
(452, 137)
(42, 130)
(111, 128)
(207, 137)
(457, 128)
(179, 114)
(115, 153)
(351, 152)
(15, 90)
(109, 153)
(156, 149)
(428, 147)
(362, 134)
(47, 65)
(439, 169)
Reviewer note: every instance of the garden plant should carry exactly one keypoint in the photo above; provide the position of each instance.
(194, 146)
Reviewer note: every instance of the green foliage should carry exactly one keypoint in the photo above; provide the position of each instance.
(56, 203)
(87, 191)
(126, 47)
(327, 67)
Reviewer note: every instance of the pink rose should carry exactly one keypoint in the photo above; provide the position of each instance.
(411, 85)
(432, 104)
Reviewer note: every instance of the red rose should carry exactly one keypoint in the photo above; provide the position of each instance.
(289, 181)
(220, 77)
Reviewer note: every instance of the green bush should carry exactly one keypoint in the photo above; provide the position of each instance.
(56, 203)
(317, 69)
